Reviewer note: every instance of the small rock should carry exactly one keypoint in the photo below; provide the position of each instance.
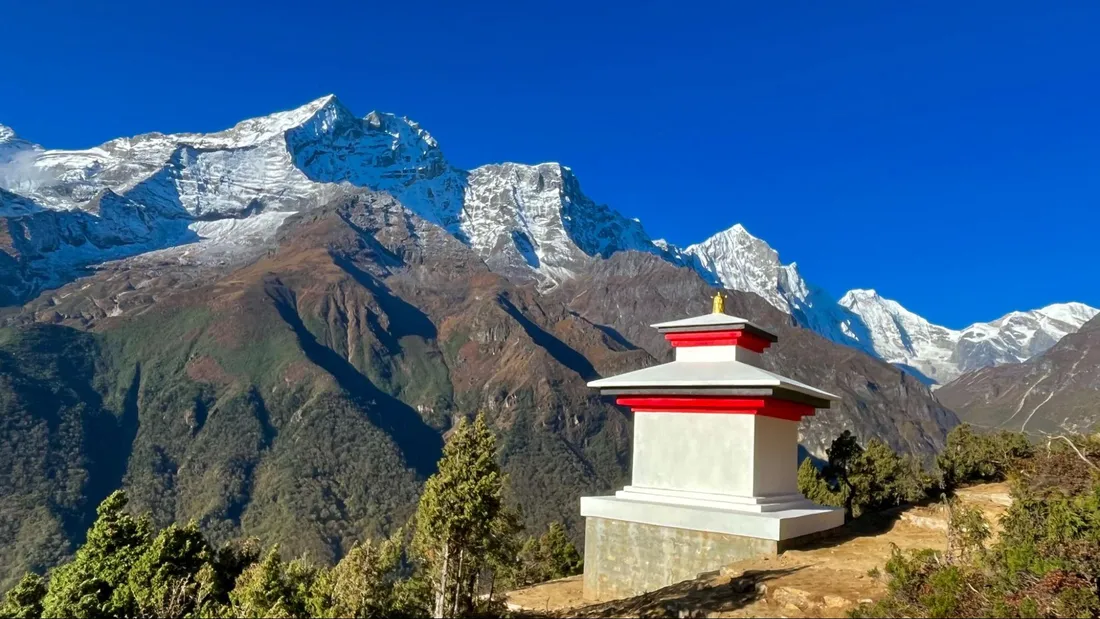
(730, 571)
(792, 596)
(866, 601)
(835, 601)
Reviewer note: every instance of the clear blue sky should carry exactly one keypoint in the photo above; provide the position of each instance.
(945, 153)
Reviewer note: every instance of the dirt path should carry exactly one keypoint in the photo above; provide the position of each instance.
(823, 580)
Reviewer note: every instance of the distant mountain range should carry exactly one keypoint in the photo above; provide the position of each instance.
(942, 354)
(61, 211)
(1056, 392)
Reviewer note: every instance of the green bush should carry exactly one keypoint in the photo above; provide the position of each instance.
(1046, 561)
(549, 557)
(970, 457)
(96, 582)
(863, 479)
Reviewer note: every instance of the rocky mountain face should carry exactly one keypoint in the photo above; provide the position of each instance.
(535, 221)
(941, 354)
(70, 209)
(1055, 392)
(301, 395)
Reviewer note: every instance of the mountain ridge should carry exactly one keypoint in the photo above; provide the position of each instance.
(943, 354)
(532, 223)
(1052, 393)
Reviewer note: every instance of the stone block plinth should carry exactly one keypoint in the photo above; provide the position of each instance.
(624, 559)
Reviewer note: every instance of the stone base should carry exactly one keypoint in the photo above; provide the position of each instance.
(633, 547)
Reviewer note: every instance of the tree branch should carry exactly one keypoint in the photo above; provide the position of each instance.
(1084, 459)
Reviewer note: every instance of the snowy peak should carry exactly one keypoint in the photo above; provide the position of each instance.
(941, 354)
(738, 260)
(401, 129)
(537, 218)
(1069, 313)
(7, 134)
(17, 156)
(382, 152)
(869, 302)
(10, 142)
(321, 115)
(902, 337)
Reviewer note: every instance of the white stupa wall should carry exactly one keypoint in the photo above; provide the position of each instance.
(775, 457)
(718, 353)
(715, 453)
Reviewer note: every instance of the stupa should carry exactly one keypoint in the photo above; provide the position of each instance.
(714, 475)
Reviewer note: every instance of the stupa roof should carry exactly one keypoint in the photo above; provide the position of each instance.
(712, 377)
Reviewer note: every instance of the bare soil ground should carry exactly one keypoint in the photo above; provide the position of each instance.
(823, 580)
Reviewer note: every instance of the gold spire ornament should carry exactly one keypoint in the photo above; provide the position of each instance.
(719, 306)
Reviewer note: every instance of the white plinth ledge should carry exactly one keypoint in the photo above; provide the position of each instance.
(793, 519)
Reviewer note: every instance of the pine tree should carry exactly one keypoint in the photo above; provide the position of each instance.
(362, 584)
(24, 600)
(548, 557)
(561, 554)
(813, 485)
(463, 529)
(164, 580)
(842, 456)
(270, 588)
(95, 583)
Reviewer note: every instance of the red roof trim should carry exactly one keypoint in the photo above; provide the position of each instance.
(739, 337)
(768, 407)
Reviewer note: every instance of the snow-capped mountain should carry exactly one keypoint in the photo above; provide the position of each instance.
(736, 259)
(525, 220)
(16, 160)
(11, 144)
(942, 354)
(229, 191)
(739, 260)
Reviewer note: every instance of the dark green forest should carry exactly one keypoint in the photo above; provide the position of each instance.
(463, 545)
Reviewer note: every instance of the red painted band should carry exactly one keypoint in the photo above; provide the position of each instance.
(768, 407)
(711, 403)
(719, 338)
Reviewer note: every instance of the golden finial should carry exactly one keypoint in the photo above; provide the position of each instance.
(719, 306)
